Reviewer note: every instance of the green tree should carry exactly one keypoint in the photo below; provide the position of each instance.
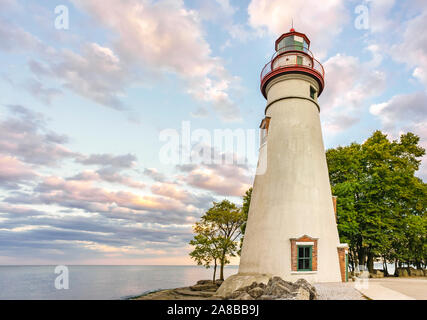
(217, 235)
(379, 198)
(227, 220)
(245, 210)
(206, 246)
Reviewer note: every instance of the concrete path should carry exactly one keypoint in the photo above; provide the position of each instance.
(395, 289)
(338, 291)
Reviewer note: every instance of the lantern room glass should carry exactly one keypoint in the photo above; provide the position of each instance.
(293, 42)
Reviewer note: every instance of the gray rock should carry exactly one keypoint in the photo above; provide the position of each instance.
(219, 282)
(276, 289)
(412, 272)
(302, 294)
(262, 285)
(204, 287)
(244, 296)
(402, 272)
(252, 286)
(256, 292)
(235, 294)
(309, 287)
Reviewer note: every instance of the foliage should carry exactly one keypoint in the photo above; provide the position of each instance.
(216, 235)
(381, 203)
(245, 209)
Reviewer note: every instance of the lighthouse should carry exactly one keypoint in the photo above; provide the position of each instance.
(291, 230)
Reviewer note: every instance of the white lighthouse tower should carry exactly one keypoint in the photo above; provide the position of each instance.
(291, 230)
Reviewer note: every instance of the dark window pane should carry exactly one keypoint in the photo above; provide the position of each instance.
(306, 264)
(289, 41)
(307, 252)
(300, 264)
(298, 45)
(300, 252)
(312, 92)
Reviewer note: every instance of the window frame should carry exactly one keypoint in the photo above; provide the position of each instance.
(305, 258)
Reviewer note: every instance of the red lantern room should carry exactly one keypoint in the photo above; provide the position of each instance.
(292, 56)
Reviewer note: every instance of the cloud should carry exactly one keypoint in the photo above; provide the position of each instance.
(84, 195)
(404, 108)
(349, 83)
(412, 49)
(20, 211)
(151, 41)
(379, 11)
(25, 136)
(120, 161)
(38, 90)
(321, 21)
(405, 113)
(154, 174)
(16, 39)
(162, 37)
(111, 167)
(96, 73)
(108, 175)
(223, 179)
(13, 172)
(170, 190)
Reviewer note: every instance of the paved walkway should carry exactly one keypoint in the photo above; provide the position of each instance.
(396, 289)
(375, 289)
(338, 291)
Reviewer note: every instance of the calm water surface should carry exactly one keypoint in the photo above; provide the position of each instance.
(97, 282)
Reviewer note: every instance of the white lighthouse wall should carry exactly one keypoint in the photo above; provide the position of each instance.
(292, 197)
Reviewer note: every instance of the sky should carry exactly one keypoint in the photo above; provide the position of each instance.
(112, 111)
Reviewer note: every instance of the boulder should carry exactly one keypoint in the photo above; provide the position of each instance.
(205, 287)
(256, 292)
(238, 281)
(219, 282)
(309, 287)
(302, 294)
(412, 272)
(235, 294)
(420, 273)
(277, 283)
(276, 289)
(244, 296)
(377, 274)
(402, 272)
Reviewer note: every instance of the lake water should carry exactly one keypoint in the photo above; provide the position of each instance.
(98, 282)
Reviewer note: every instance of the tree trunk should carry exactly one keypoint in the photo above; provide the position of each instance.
(395, 268)
(221, 275)
(385, 267)
(362, 256)
(214, 275)
(370, 263)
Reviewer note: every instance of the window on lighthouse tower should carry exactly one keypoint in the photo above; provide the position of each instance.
(312, 93)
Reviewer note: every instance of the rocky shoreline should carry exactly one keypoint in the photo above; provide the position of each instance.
(275, 289)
